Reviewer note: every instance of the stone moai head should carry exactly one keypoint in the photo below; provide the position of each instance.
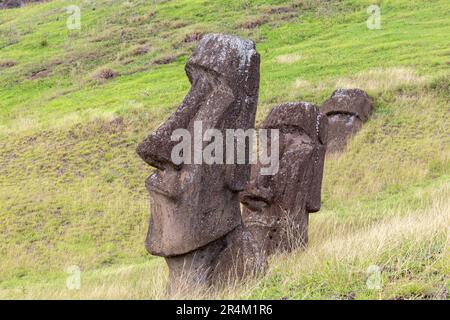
(196, 204)
(347, 110)
(277, 206)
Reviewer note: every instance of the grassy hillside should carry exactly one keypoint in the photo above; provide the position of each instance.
(75, 103)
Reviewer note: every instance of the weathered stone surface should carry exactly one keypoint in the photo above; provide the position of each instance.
(347, 110)
(277, 206)
(231, 257)
(196, 220)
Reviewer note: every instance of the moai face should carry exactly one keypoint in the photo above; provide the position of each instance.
(277, 206)
(347, 110)
(193, 205)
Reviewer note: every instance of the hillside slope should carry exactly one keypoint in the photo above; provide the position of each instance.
(75, 103)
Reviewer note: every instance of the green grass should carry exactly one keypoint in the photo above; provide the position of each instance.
(72, 188)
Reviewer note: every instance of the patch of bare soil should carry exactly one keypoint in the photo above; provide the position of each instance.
(10, 4)
(115, 125)
(141, 19)
(289, 15)
(104, 75)
(180, 24)
(57, 62)
(193, 37)
(281, 10)
(252, 24)
(7, 64)
(39, 74)
(141, 50)
(165, 60)
(124, 62)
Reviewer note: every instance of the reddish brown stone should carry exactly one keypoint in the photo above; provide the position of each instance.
(277, 206)
(347, 110)
(196, 221)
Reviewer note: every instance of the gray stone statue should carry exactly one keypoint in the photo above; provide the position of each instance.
(347, 110)
(277, 206)
(195, 220)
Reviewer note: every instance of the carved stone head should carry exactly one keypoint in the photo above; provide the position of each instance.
(347, 110)
(277, 206)
(195, 204)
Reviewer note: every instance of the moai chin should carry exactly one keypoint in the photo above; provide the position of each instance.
(347, 110)
(277, 206)
(195, 220)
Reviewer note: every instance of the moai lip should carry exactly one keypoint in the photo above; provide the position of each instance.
(195, 220)
(347, 110)
(277, 206)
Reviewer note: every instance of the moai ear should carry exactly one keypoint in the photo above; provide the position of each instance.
(237, 175)
(323, 127)
(315, 191)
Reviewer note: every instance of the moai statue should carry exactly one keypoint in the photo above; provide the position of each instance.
(277, 206)
(347, 110)
(195, 220)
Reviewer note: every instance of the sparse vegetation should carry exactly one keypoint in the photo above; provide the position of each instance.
(44, 43)
(72, 189)
(7, 64)
(105, 74)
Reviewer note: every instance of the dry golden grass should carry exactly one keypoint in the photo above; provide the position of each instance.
(382, 157)
(74, 192)
(371, 210)
(339, 255)
(375, 81)
(395, 241)
(288, 58)
(381, 79)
